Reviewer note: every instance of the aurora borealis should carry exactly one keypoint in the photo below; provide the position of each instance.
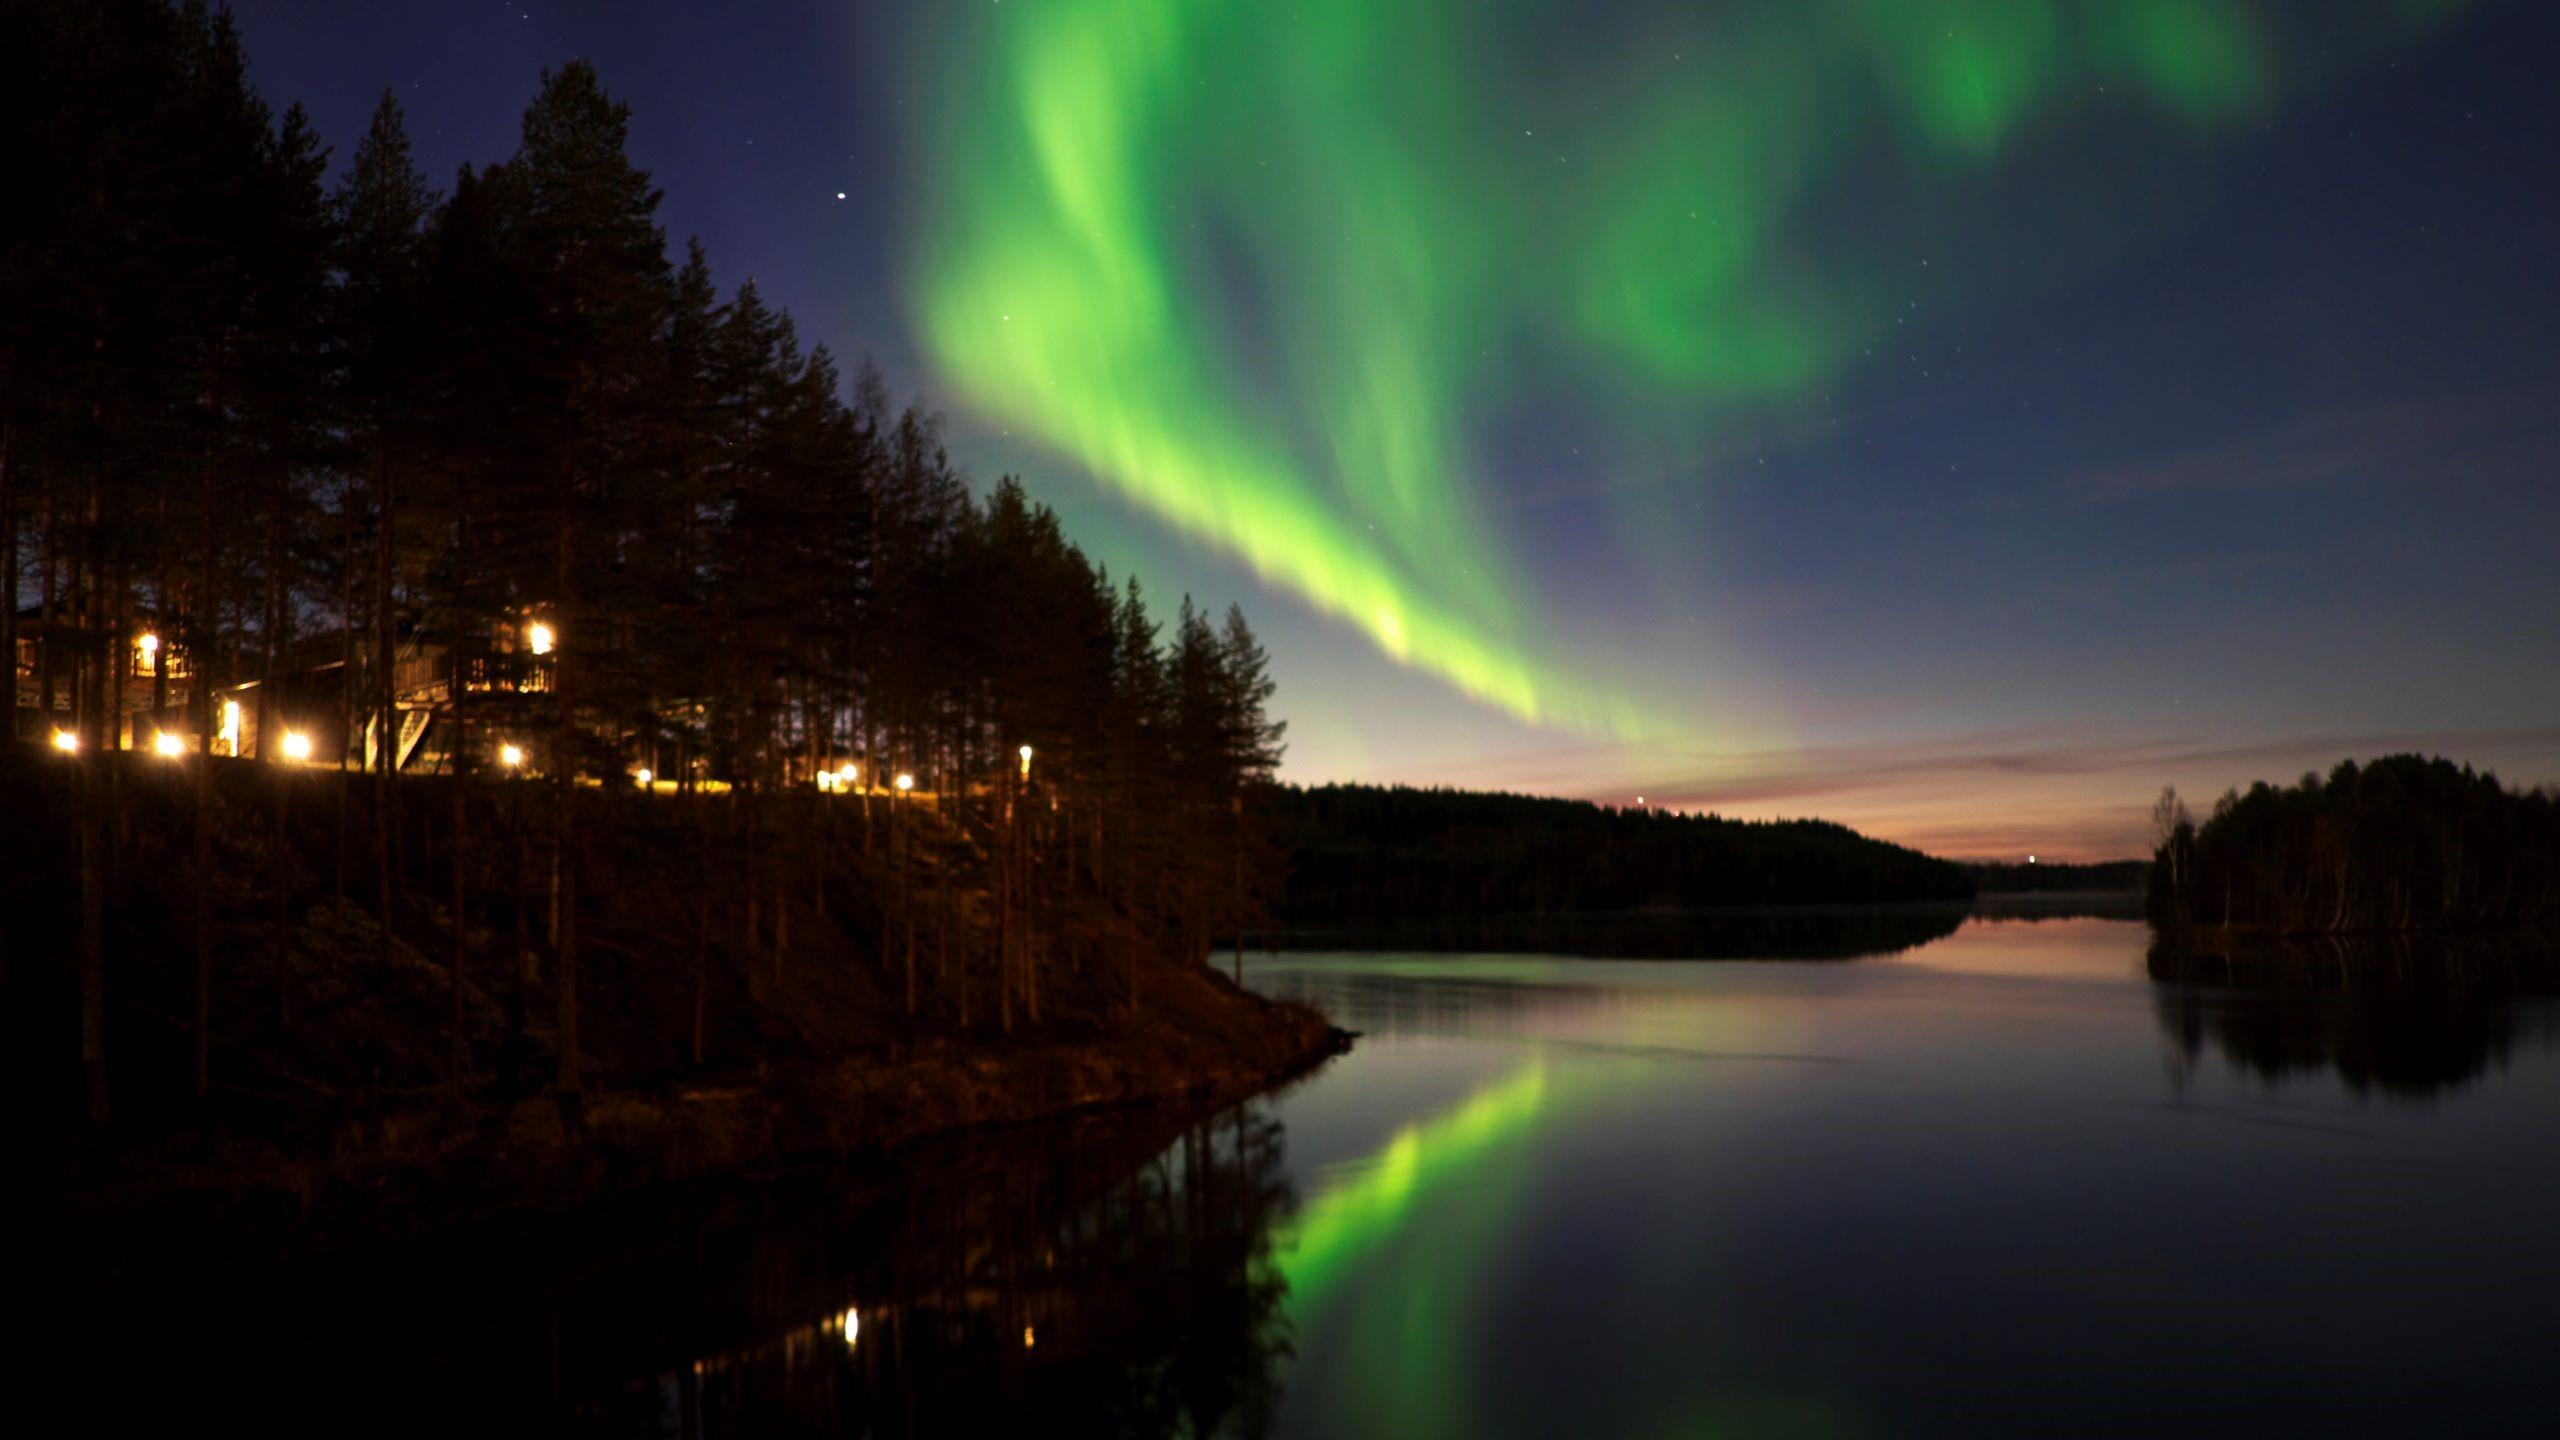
(1952, 417)
(1260, 268)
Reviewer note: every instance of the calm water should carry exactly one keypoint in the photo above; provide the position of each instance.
(2001, 1181)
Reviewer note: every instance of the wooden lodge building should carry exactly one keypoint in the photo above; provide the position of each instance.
(322, 705)
(320, 680)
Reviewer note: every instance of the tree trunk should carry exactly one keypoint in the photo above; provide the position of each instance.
(565, 964)
(701, 929)
(386, 709)
(93, 953)
(201, 873)
(347, 727)
(202, 622)
(91, 723)
(9, 572)
(906, 896)
(519, 991)
(270, 702)
(1236, 908)
(48, 618)
(458, 1062)
(571, 635)
(281, 778)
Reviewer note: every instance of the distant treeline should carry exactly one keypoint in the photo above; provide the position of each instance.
(1746, 932)
(1364, 853)
(2113, 876)
(2403, 844)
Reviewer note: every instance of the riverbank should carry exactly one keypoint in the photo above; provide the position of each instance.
(757, 983)
(407, 1173)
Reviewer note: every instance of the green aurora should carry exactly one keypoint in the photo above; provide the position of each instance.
(1279, 274)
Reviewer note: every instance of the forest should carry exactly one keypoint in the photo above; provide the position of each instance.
(1368, 853)
(2404, 844)
(1998, 877)
(443, 586)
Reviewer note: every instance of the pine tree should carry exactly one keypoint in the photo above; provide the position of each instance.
(382, 209)
(580, 220)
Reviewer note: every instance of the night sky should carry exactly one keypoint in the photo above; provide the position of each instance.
(1952, 417)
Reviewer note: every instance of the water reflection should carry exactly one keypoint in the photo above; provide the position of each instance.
(2397, 1017)
(1119, 1284)
(1951, 1191)
(1112, 1275)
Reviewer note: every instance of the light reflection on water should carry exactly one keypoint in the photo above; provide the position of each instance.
(2019, 1179)
(2005, 1182)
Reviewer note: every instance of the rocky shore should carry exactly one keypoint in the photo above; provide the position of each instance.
(408, 1172)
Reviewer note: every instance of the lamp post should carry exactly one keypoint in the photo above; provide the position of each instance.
(1015, 885)
(1236, 903)
(906, 915)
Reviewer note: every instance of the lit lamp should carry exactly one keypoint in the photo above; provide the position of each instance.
(642, 778)
(538, 638)
(1026, 762)
(905, 782)
(231, 727)
(297, 746)
(67, 741)
(511, 756)
(168, 745)
(147, 647)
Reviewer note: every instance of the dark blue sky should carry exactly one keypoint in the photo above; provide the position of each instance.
(2184, 461)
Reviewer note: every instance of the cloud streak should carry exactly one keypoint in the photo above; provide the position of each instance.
(2435, 438)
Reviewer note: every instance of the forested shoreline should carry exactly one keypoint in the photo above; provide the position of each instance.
(735, 698)
(1364, 853)
(2104, 877)
(2400, 845)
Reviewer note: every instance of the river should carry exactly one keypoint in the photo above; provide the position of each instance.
(1994, 1178)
